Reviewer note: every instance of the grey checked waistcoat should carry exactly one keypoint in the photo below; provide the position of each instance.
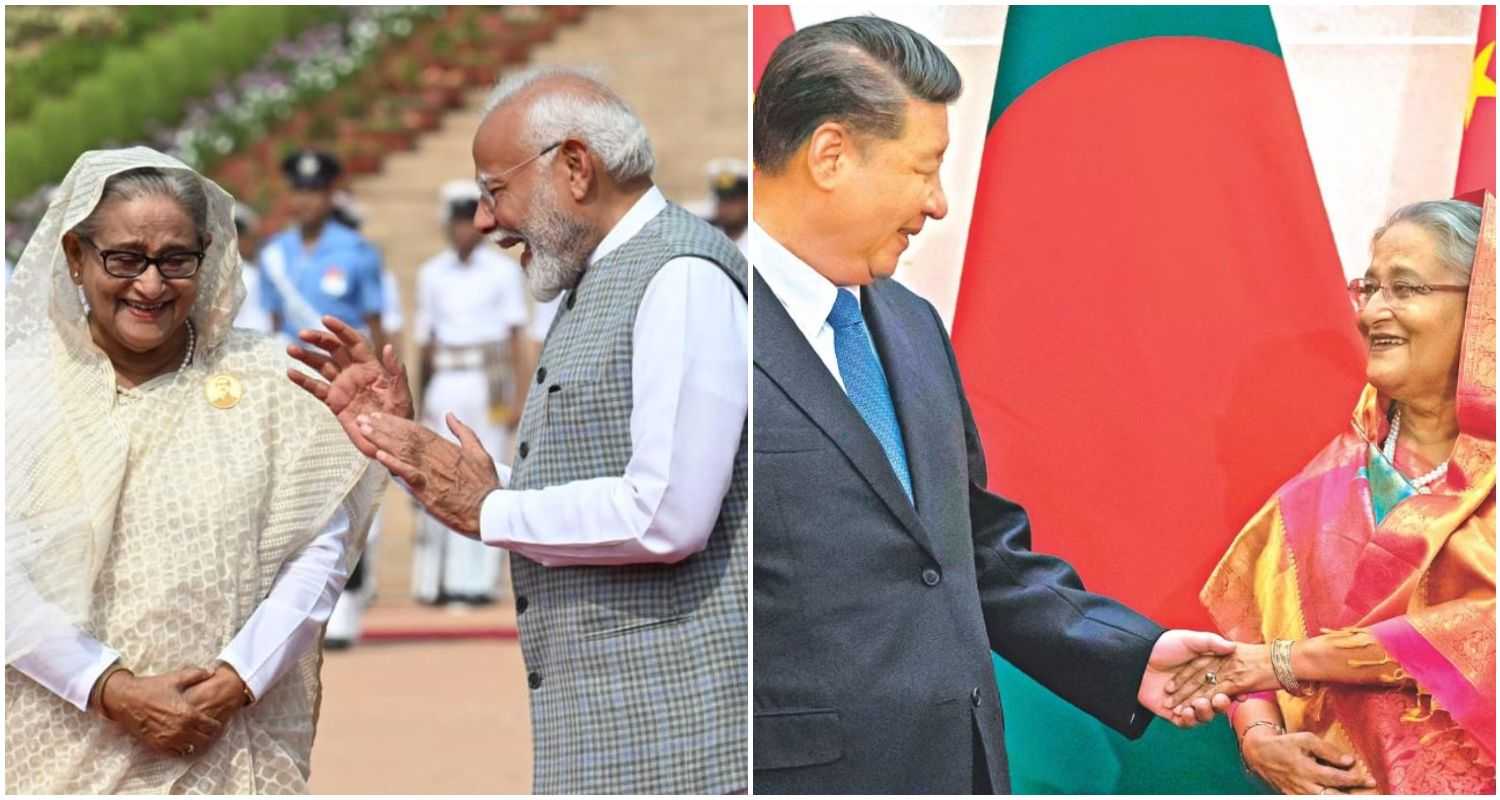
(638, 673)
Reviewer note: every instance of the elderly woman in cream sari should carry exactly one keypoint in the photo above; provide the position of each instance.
(179, 519)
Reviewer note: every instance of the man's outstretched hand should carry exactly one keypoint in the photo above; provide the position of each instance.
(1177, 654)
(354, 381)
(450, 480)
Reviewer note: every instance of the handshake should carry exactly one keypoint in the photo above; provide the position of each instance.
(1191, 675)
(179, 713)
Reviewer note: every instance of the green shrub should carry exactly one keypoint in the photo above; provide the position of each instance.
(101, 107)
(82, 94)
(24, 169)
(63, 137)
(238, 34)
(142, 22)
(197, 50)
(63, 62)
(144, 97)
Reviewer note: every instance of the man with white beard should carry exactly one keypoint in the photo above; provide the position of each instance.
(471, 318)
(627, 506)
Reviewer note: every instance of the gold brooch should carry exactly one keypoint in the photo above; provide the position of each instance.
(223, 390)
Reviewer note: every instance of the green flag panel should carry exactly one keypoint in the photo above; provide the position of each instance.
(1039, 39)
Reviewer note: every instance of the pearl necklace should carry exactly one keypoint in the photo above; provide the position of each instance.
(187, 358)
(1419, 483)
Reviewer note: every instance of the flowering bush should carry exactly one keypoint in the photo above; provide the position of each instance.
(290, 75)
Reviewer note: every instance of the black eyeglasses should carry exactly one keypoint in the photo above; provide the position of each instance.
(130, 264)
(1363, 290)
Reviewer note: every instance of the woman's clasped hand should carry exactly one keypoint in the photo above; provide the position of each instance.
(177, 713)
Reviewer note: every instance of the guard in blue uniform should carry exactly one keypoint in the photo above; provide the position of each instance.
(320, 265)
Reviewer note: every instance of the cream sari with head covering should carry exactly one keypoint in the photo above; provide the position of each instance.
(153, 520)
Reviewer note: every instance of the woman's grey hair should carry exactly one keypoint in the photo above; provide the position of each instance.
(859, 71)
(183, 187)
(1453, 223)
(596, 116)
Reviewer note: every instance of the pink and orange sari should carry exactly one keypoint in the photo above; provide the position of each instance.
(1347, 546)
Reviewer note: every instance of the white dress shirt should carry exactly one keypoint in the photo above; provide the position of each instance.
(690, 394)
(806, 295)
(283, 626)
(466, 303)
(542, 315)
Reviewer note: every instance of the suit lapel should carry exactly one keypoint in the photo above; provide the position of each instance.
(784, 355)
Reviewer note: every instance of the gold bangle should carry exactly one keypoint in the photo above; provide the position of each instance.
(96, 697)
(244, 687)
(1279, 729)
(1281, 666)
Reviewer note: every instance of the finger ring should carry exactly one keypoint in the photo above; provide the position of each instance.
(1210, 677)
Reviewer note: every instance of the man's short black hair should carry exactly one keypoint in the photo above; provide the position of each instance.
(860, 71)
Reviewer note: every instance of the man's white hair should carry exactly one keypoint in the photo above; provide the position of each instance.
(600, 119)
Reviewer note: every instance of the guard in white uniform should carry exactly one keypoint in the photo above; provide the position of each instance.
(471, 325)
(729, 181)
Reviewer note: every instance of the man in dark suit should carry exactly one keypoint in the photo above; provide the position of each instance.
(884, 570)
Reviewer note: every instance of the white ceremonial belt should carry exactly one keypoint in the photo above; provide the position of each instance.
(458, 359)
(446, 358)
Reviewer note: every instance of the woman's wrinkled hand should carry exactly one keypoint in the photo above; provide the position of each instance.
(155, 708)
(1301, 763)
(219, 696)
(1248, 670)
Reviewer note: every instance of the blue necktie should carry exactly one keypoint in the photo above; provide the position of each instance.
(864, 382)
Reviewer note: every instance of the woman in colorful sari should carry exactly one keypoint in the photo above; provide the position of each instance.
(179, 519)
(1366, 586)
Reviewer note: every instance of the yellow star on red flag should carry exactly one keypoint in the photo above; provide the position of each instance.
(1481, 85)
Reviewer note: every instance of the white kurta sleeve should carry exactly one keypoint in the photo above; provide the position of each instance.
(291, 618)
(689, 383)
(68, 662)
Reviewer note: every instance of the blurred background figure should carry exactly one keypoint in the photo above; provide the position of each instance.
(729, 181)
(347, 212)
(471, 326)
(252, 314)
(319, 264)
(322, 265)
